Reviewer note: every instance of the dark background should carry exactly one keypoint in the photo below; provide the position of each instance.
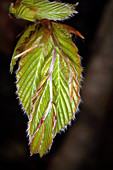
(88, 143)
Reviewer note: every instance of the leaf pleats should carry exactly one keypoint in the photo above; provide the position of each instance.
(49, 73)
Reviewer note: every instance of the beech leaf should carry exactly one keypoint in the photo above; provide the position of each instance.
(49, 73)
(42, 9)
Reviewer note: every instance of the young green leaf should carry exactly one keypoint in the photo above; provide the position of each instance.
(23, 38)
(42, 9)
(48, 80)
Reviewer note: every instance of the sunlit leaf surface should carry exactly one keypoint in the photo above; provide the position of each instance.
(49, 73)
(42, 9)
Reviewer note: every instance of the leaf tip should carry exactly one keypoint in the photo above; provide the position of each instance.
(75, 12)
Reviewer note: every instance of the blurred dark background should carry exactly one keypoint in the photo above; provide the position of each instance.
(88, 143)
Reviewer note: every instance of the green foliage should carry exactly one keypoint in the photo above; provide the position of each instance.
(41, 9)
(25, 35)
(48, 76)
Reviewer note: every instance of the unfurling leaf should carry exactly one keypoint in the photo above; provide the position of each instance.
(49, 72)
(42, 9)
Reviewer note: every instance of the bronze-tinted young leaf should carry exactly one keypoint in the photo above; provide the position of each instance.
(21, 41)
(48, 76)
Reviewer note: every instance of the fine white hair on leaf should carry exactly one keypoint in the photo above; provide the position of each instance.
(36, 106)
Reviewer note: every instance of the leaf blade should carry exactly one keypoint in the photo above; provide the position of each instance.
(40, 9)
(22, 39)
(48, 85)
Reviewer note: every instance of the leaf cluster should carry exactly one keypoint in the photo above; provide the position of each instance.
(49, 70)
